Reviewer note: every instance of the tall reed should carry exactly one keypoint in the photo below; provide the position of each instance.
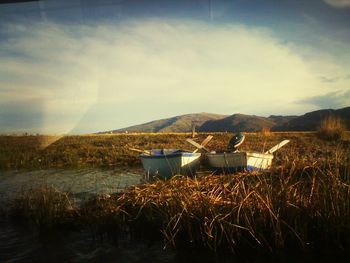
(332, 128)
(46, 206)
(300, 207)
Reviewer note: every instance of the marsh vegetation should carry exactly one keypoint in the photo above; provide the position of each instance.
(302, 203)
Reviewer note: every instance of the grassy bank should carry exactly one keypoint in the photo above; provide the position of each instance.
(113, 150)
(79, 151)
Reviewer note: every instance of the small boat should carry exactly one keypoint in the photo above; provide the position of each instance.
(165, 163)
(232, 162)
(238, 161)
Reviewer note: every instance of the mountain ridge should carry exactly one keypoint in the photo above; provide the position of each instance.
(209, 122)
(181, 123)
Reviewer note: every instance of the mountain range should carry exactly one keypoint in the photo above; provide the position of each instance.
(208, 122)
(181, 123)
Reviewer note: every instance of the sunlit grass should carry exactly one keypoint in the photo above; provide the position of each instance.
(113, 150)
(302, 207)
(332, 129)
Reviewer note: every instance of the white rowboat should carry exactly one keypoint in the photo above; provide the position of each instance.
(239, 161)
(242, 161)
(165, 163)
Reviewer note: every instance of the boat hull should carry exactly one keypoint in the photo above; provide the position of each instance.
(167, 163)
(239, 161)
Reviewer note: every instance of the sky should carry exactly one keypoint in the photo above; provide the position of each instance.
(87, 66)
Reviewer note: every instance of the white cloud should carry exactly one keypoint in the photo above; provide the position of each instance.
(334, 99)
(338, 3)
(117, 75)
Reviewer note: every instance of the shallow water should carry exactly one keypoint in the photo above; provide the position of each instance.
(82, 183)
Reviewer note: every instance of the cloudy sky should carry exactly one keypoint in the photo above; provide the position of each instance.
(87, 66)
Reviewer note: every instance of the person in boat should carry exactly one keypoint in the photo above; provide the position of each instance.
(235, 141)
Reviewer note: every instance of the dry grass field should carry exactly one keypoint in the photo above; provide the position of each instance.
(113, 150)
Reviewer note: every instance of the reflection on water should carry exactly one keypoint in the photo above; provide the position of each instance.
(22, 244)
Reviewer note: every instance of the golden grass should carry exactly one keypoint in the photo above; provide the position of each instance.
(332, 129)
(113, 150)
(300, 207)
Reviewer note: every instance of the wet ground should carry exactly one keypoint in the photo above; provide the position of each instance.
(82, 183)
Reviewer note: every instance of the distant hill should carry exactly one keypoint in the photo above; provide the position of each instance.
(281, 120)
(311, 121)
(182, 123)
(237, 122)
(207, 122)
